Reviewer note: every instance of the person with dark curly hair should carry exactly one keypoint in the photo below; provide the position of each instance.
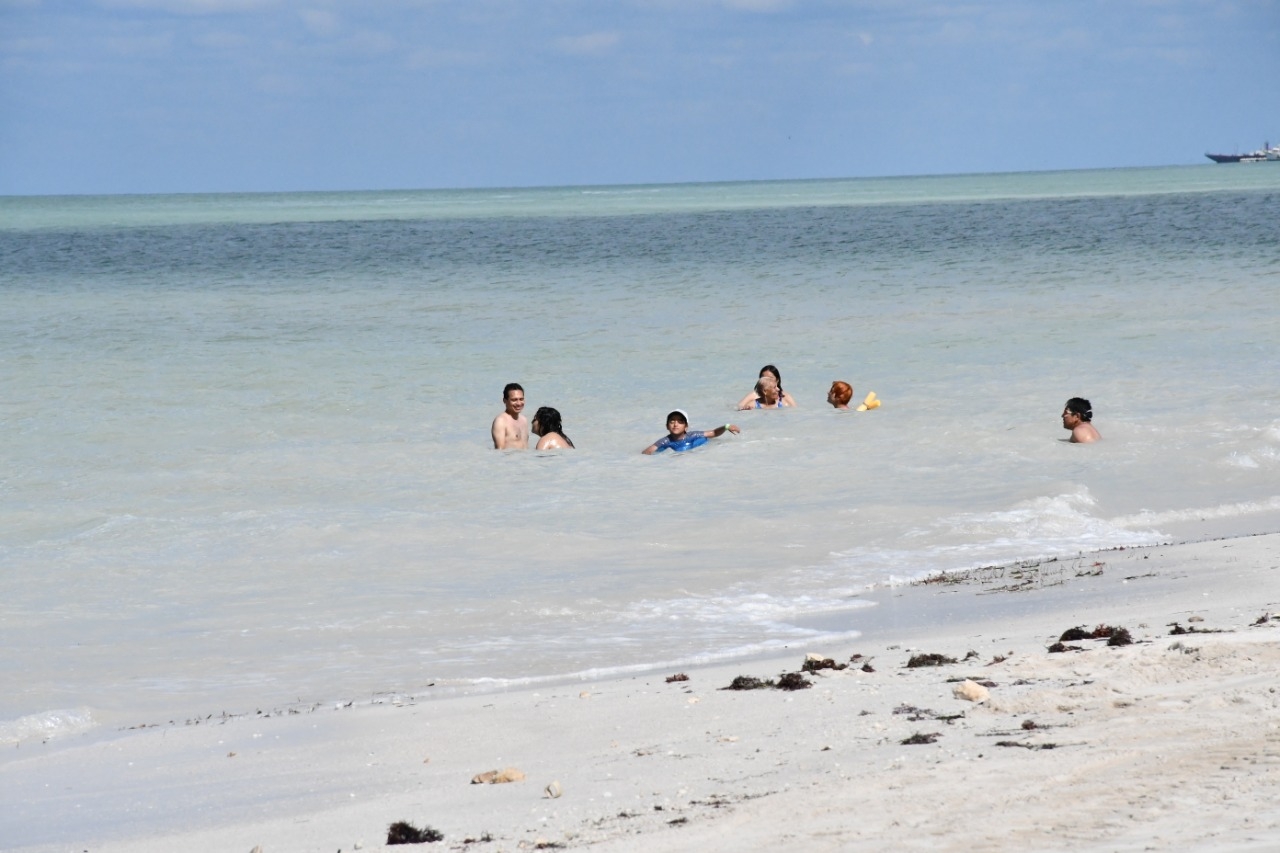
(1076, 416)
(546, 424)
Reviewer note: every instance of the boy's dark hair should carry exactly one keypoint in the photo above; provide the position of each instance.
(678, 416)
(511, 386)
(1080, 406)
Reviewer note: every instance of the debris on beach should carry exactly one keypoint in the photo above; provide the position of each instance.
(498, 777)
(788, 681)
(793, 681)
(919, 738)
(971, 691)
(403, 832)
(1177, 629)
(1062, 647)
(813, 663)
(1263, 619)
(1026, 745)
(1120, 637)
(1114, 637)
(929, 660)
(915, 714)
(553, 791)
(679, 676)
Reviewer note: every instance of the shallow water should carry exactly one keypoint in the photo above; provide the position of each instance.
(247, 461)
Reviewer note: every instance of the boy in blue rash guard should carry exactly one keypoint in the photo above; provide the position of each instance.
(679, 438)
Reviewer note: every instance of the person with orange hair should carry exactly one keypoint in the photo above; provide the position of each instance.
(840, 394)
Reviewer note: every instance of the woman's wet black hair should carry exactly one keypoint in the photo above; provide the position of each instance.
(769, 368)
(548, 421)
(1080, 406)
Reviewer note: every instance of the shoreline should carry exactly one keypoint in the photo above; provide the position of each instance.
(1123, 741)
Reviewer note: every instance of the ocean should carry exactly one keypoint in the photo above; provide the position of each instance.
(246, 462)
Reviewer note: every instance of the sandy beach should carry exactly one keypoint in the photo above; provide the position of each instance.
(1171, 742)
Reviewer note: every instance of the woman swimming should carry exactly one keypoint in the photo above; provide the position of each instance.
(546, 423)
(749, 401)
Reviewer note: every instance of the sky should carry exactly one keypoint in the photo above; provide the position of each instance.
(159, 96)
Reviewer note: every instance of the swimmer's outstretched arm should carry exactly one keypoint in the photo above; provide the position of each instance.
(720, 430)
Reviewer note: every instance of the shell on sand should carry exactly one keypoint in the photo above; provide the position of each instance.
(497, 777)
(553, 790)
(971, 691)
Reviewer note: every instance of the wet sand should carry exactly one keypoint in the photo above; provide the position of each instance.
(1169, 743)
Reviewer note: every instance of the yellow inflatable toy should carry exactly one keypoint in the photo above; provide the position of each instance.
(870, 403)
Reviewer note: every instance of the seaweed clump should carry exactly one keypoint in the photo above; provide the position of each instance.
(403, 832)
(1120, 637)
(793, 681)
(919, 738)
(825, 663)
(788, 681)
(929, 660)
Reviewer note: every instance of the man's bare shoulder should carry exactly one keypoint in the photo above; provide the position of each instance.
(1085, 434)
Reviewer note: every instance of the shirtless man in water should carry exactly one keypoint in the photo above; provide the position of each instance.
(511, 428)
(1076, 416)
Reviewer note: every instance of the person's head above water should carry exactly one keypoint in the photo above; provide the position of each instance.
(768, 389)
(679, 438)
(1077, 415)
(840, 394)
(547, 424)
(1080, 407)
(547, 420)
(772, 371)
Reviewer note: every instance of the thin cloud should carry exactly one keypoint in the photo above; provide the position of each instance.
(190, 7)
(160, 44)
(759, 5)
(592, 44)
(278, 84)
(320, 22)
(433, 58)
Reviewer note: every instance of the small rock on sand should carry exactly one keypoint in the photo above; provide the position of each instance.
(971, 691)
(554, 790)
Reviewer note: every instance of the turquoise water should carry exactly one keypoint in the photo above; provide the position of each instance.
(247, 457)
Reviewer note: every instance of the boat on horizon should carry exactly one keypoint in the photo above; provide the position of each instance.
(1266, 152)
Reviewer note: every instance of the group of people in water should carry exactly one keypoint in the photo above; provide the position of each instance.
(511, 428)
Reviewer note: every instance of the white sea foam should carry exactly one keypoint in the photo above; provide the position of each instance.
(47, 725)
(1148, 518)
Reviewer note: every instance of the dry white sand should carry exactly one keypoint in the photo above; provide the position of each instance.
(1171, 743)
